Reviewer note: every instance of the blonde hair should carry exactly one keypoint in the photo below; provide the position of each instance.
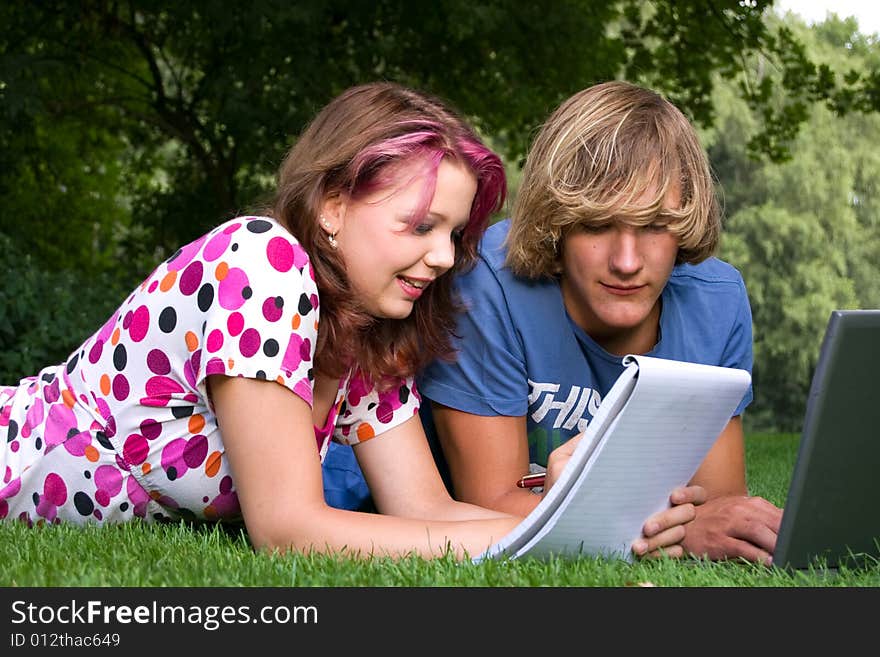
(593, 161)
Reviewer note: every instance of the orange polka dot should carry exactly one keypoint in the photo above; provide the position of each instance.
(114, 339)
(146, 468)
(316, 326)
(365, 431)
(296, 321)
(210, 512)
(279, 379)
(212, 463)
(105, 384)
(192, 341)
(91, 453)
(196, 423)
(168, 281)
(221, 271)
(155, 494)
(230, 365)
(68, 397)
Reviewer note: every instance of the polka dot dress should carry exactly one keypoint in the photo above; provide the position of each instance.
(124, 429)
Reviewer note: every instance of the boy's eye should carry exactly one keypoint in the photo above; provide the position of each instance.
(657, 227)
(594, 229)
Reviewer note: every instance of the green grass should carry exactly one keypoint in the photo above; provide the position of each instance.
(146, 555)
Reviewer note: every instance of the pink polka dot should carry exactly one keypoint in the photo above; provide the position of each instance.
(191, 368)
(162, 385)
(272, 308)
(150, 429)
(172, 457)
(231, 228)
(293, 355)
(235, 323)
(215, 366)
(59, 422)
(140, 323)
(52, 392)
(196, 450)
(120, 387)
(108, 478)
(54, 489)
(107, 330)
(191, 278)
(384, 413)
(135, 449)
(95, 351)
(157, 362)
(249, 343)
(153, 286)
(229, 291)
(216, 246)
(76, 445)
(186, 254)
(215, 341)
(279, 252)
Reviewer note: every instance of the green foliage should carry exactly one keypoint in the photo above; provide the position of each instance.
(805, 233)
(128, 128)
(46, 313)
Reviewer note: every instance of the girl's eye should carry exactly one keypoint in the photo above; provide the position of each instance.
(422, 229)
(458, 234)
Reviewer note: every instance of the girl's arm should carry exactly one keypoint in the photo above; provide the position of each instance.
(270, 443)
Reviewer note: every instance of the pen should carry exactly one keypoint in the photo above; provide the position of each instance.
(531, 480)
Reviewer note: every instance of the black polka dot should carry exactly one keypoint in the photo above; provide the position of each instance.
(271, 348)
(83, 504)
(304, 307)
(246, 292)
(206, 297)
(120, 357)
(181, 411)
(167, 319)
(71, 365)
(258, 226)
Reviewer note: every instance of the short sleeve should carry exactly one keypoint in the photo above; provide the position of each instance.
(260, 306)
(488, 375)
(738, 350)
(368, 412)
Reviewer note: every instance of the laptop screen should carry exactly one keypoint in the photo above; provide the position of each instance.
(832, 512)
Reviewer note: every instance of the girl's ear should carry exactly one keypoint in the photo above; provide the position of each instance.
(333, 212)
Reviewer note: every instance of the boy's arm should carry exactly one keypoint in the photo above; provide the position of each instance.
(730, 524)
(486, 455)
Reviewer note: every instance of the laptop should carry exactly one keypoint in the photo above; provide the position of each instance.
(832, 512)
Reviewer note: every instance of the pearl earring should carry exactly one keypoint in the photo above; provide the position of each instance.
(331, 237)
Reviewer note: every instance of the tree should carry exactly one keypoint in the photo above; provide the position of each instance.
(206, 96)
(805, 232)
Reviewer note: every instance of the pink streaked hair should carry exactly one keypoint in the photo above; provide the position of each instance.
(373, 137)
(379, 167)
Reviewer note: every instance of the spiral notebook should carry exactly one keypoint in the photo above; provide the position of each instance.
(649, 435)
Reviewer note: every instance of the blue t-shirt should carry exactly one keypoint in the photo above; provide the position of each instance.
(520, 353)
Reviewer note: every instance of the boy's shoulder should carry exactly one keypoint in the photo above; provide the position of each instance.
(711, 270)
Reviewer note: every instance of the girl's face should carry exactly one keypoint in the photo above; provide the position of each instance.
(612, 280)
(389, 261)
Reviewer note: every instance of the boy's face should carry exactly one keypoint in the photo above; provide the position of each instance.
(612, 278)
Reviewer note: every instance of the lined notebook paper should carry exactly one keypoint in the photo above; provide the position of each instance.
(649, 435)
